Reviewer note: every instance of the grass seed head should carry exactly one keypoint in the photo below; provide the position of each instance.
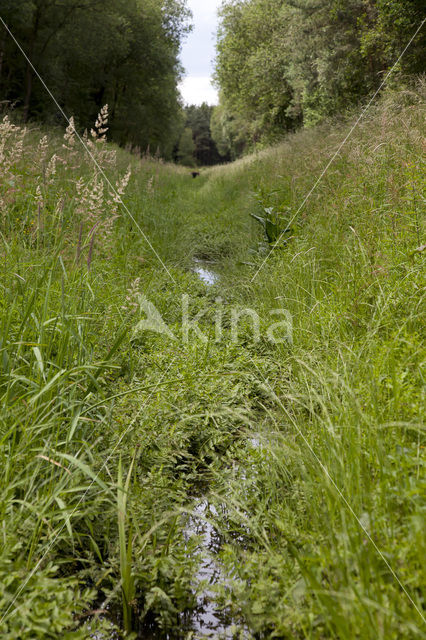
(100, 130)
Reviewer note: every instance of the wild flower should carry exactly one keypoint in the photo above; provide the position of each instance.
(150, 185)
(79, 186)
(41, 152)
(42, 149)
(109, 157)
(86, 140)
(92, 205)
(19, 147)
(7, 129)
(69, 144)
(131, 302)
(96, 198)
(91, 198)
(113, 204)
(59, 207)
(104, 157)
(90, 208)
(120, 187)
(106, 227)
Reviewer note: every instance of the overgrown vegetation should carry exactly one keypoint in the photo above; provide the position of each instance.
(311, 453)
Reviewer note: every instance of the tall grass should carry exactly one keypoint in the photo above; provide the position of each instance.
(127, 579)
(312, 453)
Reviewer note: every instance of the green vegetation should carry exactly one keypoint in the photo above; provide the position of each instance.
(203, 151)
(186, 148)
(310, 453)
(89, 52)
(286, 63)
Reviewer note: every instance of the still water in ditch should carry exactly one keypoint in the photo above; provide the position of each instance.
(203, 269)
(207, 622)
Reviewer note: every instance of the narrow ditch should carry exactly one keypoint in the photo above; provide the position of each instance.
(207, 621)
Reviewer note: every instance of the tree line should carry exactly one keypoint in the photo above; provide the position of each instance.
(89, 53)
(197, 146)
(282, 64)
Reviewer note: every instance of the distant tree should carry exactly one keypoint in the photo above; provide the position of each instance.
(186, 149)
(252, 70)
(36, 24)
(229, 133)
(386, 27)
(198, 120)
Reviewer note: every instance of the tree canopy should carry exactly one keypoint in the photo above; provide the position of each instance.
(284, 63)
(120, 52)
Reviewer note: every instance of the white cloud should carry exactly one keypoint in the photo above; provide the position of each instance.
(198, 89)
(198, 53)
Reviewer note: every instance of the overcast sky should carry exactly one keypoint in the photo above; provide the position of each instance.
(198, 53)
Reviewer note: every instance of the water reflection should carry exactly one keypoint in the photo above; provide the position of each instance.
(203, 269)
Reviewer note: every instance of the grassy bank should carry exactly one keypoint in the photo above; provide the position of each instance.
(309, 452)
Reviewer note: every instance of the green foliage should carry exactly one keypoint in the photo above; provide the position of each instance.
(127, 579)
(282, 63)
(91, 53)
(229, 133)
(53, 603)
(185, 153)
(275, 225)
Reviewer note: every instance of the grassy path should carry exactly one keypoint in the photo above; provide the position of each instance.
(308, 451)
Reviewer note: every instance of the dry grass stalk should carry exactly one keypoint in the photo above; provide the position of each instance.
(11, 145)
